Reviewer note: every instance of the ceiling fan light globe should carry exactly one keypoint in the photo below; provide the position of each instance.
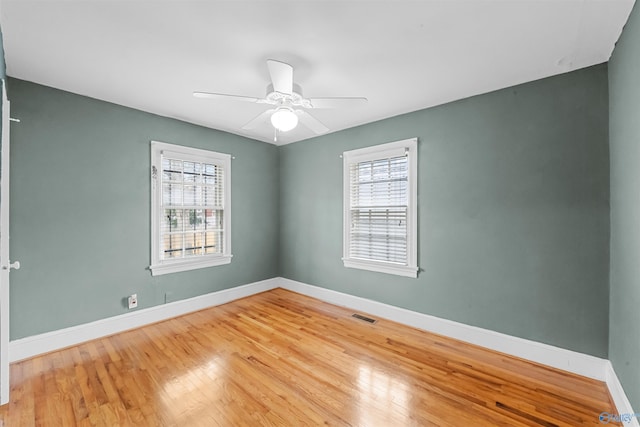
(284, 119)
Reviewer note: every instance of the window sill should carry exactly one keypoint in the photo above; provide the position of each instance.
(382, 267)
(186, 265)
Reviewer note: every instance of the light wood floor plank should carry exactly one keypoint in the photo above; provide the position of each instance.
(280, 358)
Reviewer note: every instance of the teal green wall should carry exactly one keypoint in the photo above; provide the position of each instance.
(80, 185)
(3, 76)
(3, 72)
(3, 65)
(624, 134)
(513, 211)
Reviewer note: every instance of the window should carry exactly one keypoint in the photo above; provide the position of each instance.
(380, 208)
(190, 208)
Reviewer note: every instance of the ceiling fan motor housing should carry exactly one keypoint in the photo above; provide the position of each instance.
(294, 99)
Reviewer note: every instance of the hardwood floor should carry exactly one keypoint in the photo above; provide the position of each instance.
(280, 358)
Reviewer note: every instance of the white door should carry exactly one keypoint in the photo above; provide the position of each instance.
(5, 264)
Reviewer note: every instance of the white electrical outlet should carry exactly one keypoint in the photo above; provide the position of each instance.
(133, 301)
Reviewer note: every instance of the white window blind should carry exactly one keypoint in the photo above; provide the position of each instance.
(379, 203)
(193, 209)
(190, 208)
(380, 208)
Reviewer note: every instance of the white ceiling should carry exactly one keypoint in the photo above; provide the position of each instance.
(402, 55)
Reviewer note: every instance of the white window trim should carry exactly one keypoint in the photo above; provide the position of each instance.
(158, 266)
(410, 147)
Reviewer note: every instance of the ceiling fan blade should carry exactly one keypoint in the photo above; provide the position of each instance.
(225, 96)
(311, 122)
(258, 120)
(346, 102)
(281, 76)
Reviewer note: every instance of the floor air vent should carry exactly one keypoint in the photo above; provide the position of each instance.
(365, 318)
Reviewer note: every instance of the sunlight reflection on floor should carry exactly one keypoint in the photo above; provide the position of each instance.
(382, 396)
(183, 396)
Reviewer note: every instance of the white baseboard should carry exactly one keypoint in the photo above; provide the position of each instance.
(27, 347)
(567, 360)
(620, 399)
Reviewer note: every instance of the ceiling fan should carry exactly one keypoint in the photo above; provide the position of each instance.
(288, 105)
